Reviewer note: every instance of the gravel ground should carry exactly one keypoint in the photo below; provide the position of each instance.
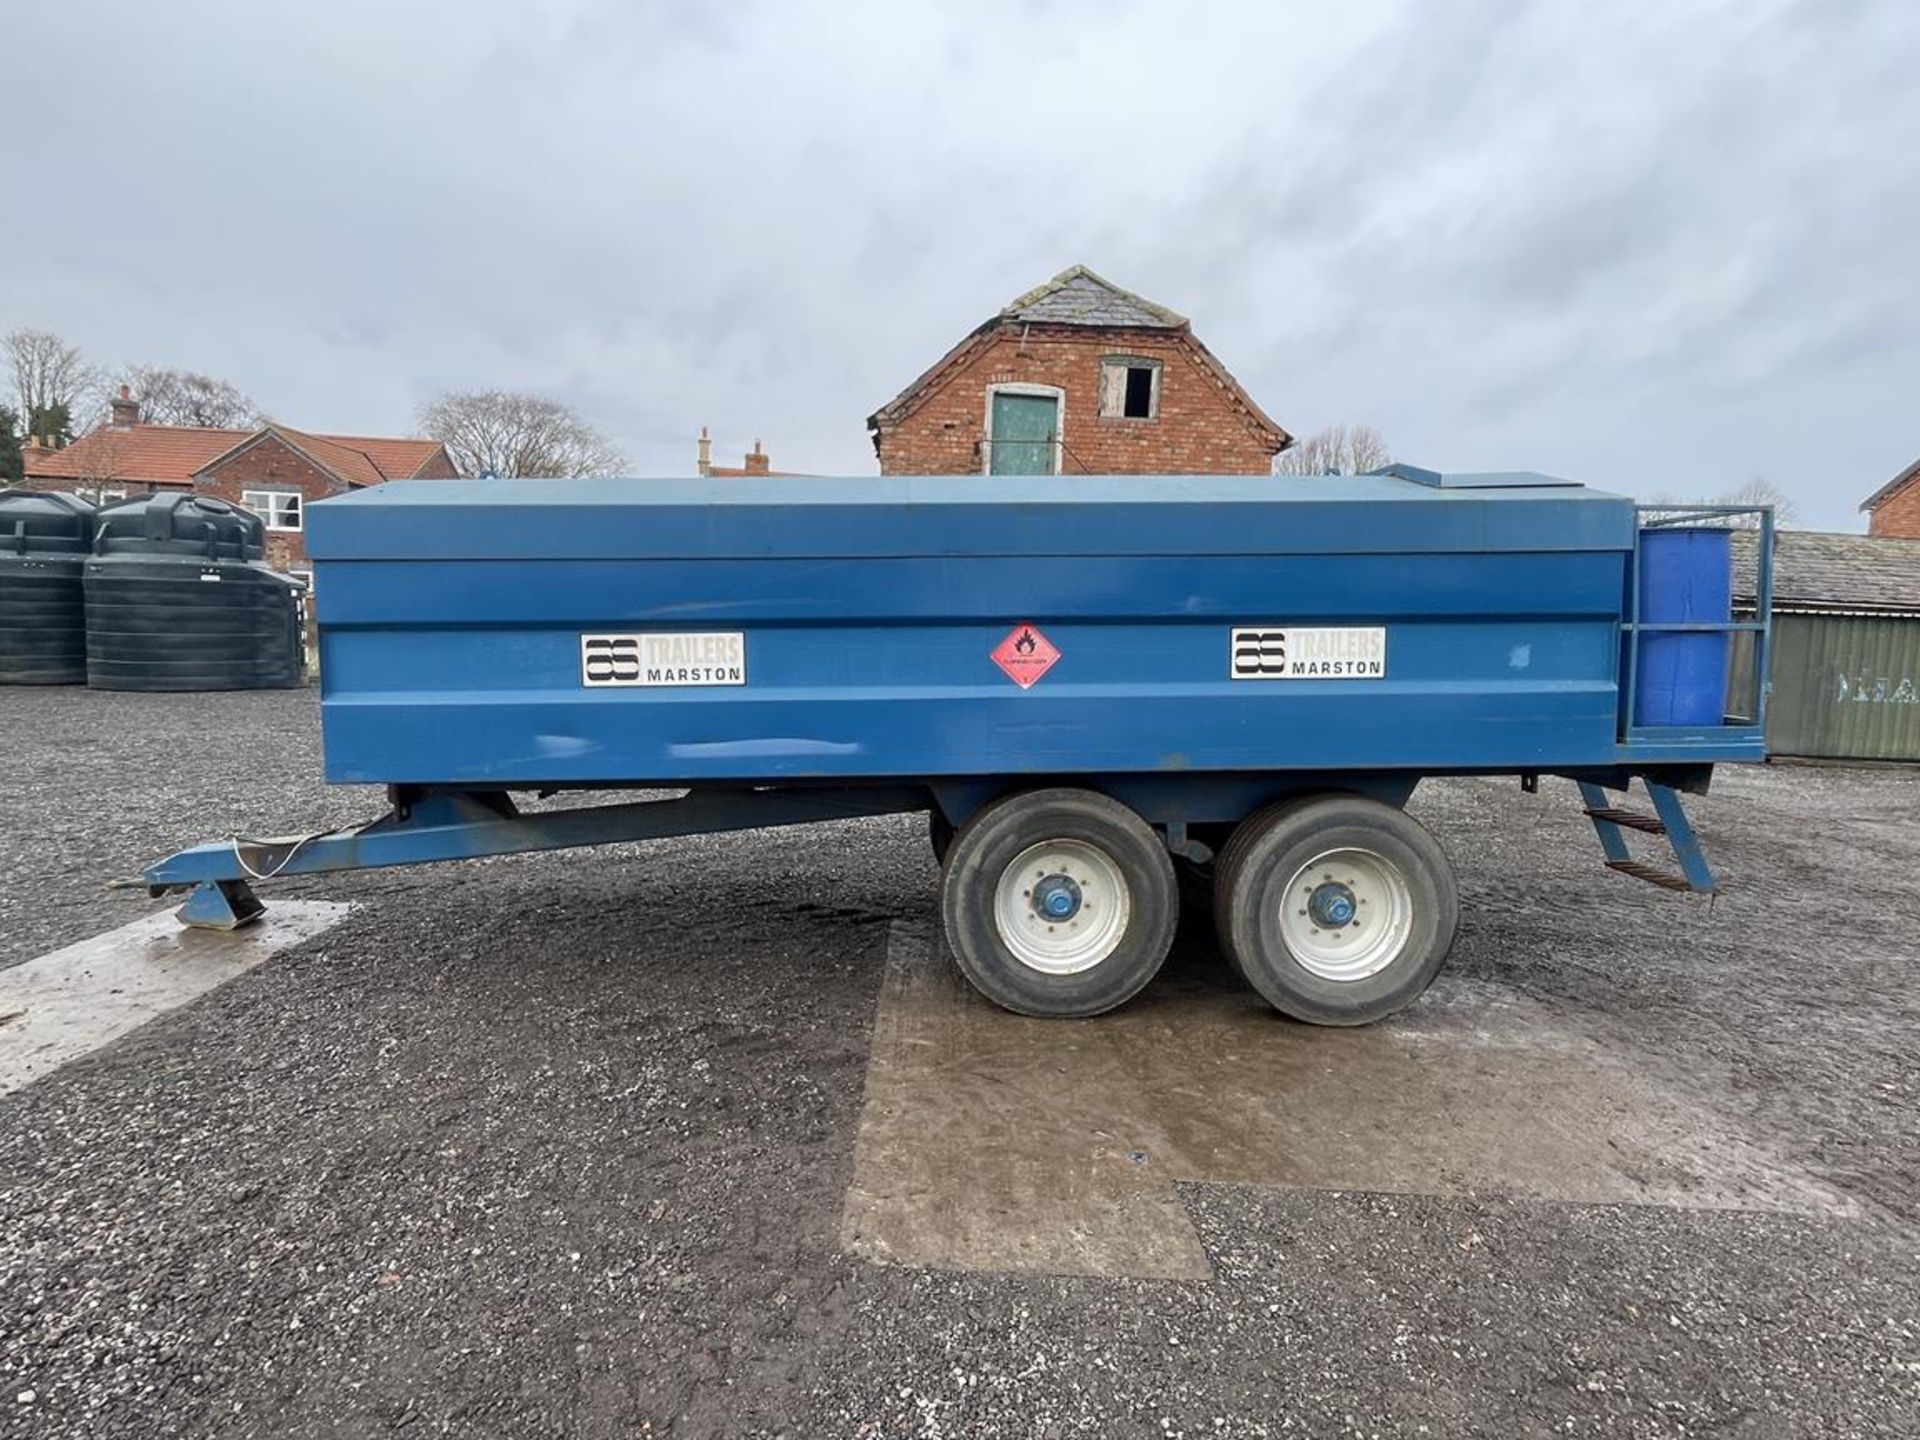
(557, 1146)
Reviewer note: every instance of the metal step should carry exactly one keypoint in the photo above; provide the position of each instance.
(1630, 819)
(1652, 874)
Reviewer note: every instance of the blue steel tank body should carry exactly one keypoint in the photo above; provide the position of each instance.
(1082, 680)
(846, 629)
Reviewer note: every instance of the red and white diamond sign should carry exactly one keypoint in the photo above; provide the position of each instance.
(1025, 655)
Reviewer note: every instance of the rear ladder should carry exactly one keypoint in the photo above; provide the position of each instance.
(1610, 822)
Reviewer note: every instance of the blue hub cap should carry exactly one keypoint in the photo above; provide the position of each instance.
(1331, 905)
(1056, 898)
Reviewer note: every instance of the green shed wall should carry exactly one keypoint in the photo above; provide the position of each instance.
(1845, 687)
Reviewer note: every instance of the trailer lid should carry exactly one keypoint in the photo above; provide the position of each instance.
(1477, 479)
(959, 515)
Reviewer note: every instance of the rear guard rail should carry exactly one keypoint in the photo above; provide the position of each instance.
(1744, 715)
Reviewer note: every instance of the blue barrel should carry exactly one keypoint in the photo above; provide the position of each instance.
(1686, 574)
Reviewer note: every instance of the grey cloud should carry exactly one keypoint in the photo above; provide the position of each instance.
(1666, 247)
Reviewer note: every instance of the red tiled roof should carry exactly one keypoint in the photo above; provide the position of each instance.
(174, 454)
(394, 458)
(157, 454)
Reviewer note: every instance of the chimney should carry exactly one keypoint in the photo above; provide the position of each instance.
(757, 461)
(705, 452)
(126, 410)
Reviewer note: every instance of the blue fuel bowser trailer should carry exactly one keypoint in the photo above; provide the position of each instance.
(1084, 681)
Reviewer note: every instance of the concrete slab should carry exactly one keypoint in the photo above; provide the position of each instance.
(69, 1002)
(993, 1142)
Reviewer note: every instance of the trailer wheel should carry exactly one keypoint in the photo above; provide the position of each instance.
(1339, 910)
(1058, 902)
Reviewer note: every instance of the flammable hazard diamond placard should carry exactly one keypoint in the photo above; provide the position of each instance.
(1025, 654)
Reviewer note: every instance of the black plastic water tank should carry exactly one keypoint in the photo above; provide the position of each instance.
(179, 597)
(44, 540)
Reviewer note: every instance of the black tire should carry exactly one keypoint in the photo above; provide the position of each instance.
(940, 834)
(1122, 847)
(1269, 853)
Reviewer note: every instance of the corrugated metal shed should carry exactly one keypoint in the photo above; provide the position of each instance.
(1846, 652)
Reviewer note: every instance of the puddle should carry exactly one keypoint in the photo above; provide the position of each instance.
(994, 1142)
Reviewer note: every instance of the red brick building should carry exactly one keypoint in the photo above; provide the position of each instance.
(1893, 511)
(273, 471)
(755, 462)
(1077, 377)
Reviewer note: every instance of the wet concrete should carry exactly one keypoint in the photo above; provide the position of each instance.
(70, 1002)
(993, 1142)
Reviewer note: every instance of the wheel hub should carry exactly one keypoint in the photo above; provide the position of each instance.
(1332, 905)
(1348, 914)
(1061, 906)
(1056, 897)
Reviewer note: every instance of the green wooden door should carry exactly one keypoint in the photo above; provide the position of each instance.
(1024, 430)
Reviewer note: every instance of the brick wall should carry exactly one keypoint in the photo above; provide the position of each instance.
(1898, 516)
(1200, 429)
(271, 464)
(440, 467)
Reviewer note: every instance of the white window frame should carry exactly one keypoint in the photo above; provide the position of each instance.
(1131, 362)
(274, 516)
(1021, 387)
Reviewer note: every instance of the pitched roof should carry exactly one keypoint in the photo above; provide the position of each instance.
(156, 454)
(1813, 570)
(1079, 297)
(395, 457)
(1887, 491)
(175, 454)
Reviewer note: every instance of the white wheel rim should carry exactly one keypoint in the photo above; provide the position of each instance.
(1346, 915)
(1061, 940)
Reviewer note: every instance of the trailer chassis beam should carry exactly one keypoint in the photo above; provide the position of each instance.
(458, 825)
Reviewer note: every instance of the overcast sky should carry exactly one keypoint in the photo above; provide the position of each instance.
(1657, 246)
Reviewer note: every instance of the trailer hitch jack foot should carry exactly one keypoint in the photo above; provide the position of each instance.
(220, 905)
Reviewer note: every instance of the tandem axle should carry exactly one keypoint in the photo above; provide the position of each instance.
(1058, 899)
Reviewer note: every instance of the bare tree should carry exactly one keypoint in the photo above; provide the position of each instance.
(1337, 450)
(501, 432)
(1760, 491)
(48, 372)
(102, 462)
(185, 397)
(1757, 491)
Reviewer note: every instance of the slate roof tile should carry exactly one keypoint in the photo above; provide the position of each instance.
(1814, 570)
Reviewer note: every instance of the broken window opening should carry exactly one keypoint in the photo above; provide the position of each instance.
(1129, 389)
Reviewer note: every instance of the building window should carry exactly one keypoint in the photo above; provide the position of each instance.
(102, 494)
(1129, 388)
(279, 508)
